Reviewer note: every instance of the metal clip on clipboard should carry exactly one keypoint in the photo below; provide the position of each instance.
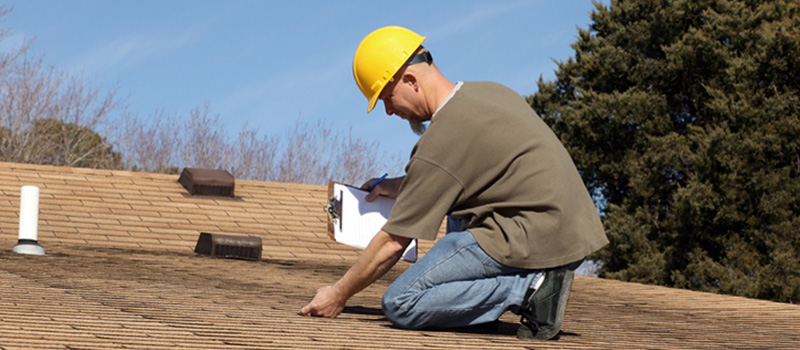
(334, 209)
(368, 217)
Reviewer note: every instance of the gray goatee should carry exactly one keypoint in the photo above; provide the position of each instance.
(417, 127)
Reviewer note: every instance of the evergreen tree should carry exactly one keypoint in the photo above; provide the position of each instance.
(54, 142)
(684, 118)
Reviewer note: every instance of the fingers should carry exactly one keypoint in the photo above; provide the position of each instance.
(375, 191)
(372, 195)
(310, 310)
(369, 183)
(324, 304)
(389, 187)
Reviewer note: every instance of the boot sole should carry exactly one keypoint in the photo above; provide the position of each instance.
(563, 295)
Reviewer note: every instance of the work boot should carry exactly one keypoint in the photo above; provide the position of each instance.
(542, 310)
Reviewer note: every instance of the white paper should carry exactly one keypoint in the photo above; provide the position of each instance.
(361, 220)
(29, 213)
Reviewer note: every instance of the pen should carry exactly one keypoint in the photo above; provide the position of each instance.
(377, 182)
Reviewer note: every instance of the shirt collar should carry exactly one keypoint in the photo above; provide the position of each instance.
(452, 93)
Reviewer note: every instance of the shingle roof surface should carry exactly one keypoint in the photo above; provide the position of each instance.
(121, 274)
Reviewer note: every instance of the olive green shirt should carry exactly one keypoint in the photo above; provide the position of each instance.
(489, 159)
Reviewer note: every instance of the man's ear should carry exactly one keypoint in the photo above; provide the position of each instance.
(411, 79)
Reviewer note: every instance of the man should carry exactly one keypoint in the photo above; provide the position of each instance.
(520, 219)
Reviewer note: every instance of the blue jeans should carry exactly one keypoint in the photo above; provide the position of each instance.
(455, 284)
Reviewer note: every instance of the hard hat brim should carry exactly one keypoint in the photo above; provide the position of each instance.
(373, 101)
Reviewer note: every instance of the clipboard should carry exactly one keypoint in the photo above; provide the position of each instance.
(353, 221)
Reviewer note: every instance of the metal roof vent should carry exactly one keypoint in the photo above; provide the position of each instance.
(209, 182)
(228, 246)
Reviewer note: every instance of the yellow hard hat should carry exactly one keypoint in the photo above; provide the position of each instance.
(379, 56)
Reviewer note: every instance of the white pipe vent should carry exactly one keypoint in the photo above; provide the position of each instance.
(28, 242)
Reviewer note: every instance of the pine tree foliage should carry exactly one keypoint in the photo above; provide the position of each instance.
(55, 142)
(684, 118)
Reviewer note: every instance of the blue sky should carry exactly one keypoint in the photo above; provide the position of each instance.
(267, 64)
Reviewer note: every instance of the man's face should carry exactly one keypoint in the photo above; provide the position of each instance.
(397, 99)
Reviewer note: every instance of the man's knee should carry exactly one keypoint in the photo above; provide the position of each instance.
(394, 311)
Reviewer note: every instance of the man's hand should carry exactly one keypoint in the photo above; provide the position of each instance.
(380, 255)
(327, 303)
(387, 187)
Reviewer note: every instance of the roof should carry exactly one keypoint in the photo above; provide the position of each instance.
(121, 274)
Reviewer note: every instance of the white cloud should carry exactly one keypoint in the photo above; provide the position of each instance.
(482, 14)
(299, 89)
(129, 50)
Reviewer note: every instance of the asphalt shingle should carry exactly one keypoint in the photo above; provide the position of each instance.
(121, 274)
